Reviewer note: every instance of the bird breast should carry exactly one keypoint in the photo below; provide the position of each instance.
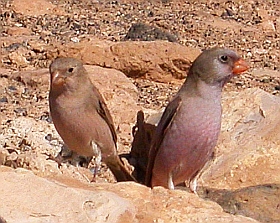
(191, 138)
(78, 126)
(202, 122)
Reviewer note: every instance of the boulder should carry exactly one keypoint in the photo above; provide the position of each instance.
(26, 197)
(156, 60)
(249, 145)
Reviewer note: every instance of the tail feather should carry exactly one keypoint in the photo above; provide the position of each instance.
(118, 169)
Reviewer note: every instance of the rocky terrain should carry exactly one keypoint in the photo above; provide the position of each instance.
(138, 54)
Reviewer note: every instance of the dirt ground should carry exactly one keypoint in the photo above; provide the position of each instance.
(252, 28)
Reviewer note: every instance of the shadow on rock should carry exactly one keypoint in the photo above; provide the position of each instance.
(261, 202)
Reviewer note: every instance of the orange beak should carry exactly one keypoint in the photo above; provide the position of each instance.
(240, 66)
(57, 79)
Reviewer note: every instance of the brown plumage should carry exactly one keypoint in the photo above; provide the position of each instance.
(188, 131)
(81, 117)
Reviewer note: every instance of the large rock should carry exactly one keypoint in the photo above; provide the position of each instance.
(248, 151)
(244, 177)
(157, 60)
(28, 198)
(35, 199)
(260, 202)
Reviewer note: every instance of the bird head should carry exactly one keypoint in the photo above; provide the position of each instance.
(217, 65)
(61, 69)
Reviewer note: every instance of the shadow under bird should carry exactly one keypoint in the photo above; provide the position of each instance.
(188, 131)
(81, 117)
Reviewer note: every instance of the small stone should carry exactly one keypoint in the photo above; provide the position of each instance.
(48, 137)
(12, 88)
(4, 100)
(144, 32)
(46, 117)
(268, 26)
(75, 39)
(227, 13)
(266, 80)
(21, 111)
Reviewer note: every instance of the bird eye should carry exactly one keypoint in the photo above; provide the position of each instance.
(224, 58)
(71, 69)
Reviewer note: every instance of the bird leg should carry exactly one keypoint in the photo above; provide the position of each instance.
(97, 157)
(193, 181)
(193, 184)
(170, 182)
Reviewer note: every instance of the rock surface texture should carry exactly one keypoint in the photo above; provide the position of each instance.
(73, 201)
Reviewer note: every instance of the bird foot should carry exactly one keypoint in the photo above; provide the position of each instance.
(58, 159)
(83, 175)
(95, 170)
(170, 182)
(193, 186)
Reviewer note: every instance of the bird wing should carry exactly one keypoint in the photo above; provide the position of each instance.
(103, 111)
(165, 121)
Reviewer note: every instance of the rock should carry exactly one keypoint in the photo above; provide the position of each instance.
(26, 145)
(144, 32)
(268, 26)
(18, 57)
(159, 60)
(260, 202)
(35, 7)
(18, 31)
(28, 133)
(248, 149)
(33, 78)
(45, 201)
(35, 199)
(19, 51)
(244, 176)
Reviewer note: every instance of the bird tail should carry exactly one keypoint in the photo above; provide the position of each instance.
(118, 169)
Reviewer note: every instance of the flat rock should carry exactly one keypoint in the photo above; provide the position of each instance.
(35, 199)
